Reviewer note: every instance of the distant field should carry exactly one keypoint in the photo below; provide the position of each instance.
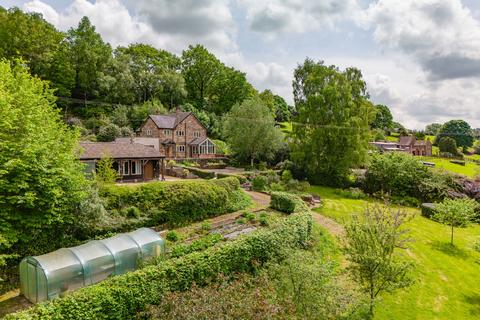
(447, 282)
(470, 169)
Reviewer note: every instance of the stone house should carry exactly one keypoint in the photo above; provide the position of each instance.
(133, 161)
(408, 144)
(180, 135)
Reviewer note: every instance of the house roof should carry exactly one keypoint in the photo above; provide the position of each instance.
(151, 142)
(406, 140)
(169, 121)
(117, 150)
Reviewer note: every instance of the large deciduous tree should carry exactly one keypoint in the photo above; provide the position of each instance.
(459, 130)
(331, 132)
(90, 56)
(29, 37)
(383, 118)
(41, 179)
(250, 132)
(433, 129)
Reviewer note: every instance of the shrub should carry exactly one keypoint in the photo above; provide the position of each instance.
(447, 144)
(263, 219)
(206, 226)
(121, 297)
(176, 203)
(286, 202)
(398, 174)
(351, 193)
(197, 245)
(108, 133)
(260, 183)
(476, 245)
(277, 187)
(202, 173)
(249, 216)
(133, 212)
(240, 178)
(172, 235)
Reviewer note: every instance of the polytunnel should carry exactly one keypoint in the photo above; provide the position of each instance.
(47, 276)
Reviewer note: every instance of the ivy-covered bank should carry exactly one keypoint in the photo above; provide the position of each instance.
(123, 296)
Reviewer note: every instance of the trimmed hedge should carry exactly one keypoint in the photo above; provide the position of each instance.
(240, 178)
(201, 173)
(286, 202)
(122, 297)
(177, 203)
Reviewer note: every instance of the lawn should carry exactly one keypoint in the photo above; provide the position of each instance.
(470, 169)
(447, 284)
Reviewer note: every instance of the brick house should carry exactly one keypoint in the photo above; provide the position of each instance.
(408, 144)
(133, 161)
(180, 135)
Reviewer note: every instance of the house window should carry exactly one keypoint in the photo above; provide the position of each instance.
(126, 168)
(149, 132)
(181, 148)
(167, 132)
(207, 147)
(196, 134)
(180, 133)
(136, 167)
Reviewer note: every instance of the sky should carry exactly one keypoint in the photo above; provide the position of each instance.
(419, 57)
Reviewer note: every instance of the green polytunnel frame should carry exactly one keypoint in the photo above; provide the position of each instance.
(50, 275)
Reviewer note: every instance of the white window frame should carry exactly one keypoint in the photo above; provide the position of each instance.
(206, 147)
(197, 134)
(137, 164)
(167, 132)
(180, 147)
(149, 132)
(180, 133)
(126, 172)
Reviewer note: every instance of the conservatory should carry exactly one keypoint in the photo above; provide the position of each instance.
(50, 275)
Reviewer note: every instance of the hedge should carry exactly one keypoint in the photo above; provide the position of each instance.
(176, 203)
(201, 173)
(286, 202)
(240, 178)
(122, 297)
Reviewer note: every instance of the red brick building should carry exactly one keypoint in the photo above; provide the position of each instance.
(408, 144)
(180, 135)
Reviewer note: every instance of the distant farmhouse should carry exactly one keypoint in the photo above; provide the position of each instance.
(408, 144)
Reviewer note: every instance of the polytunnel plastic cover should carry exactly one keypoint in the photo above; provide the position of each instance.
(49, 275)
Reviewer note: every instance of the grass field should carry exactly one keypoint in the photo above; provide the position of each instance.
(447, 279)
(470, 169)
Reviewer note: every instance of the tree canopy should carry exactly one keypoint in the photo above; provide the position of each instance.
(332, 129)
(41, 179)
(459, 130)
(249, 129)
(383, 118)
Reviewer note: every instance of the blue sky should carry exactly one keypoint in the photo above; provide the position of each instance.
(420, 57)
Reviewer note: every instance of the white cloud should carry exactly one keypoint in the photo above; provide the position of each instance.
(296, 16)
(441, 35)
(170, 25)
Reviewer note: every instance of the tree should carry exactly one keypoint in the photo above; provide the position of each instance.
(332, 130)
(383, 118)
(200, 68)
(250, 132)
(283, 110)
(458, 130)
(105, 173)
(455, 213)
(90, 55)
(447, 144)
(433, 129)
(371, 244)
(108, 133)
(229, 87)
(29, 37)
(41, 179)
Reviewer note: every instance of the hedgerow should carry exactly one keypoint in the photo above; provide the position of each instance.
(286, 202)
(121, 297)
(176, 203)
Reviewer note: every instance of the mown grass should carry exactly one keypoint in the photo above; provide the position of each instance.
(447, 279)
(470, 169)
